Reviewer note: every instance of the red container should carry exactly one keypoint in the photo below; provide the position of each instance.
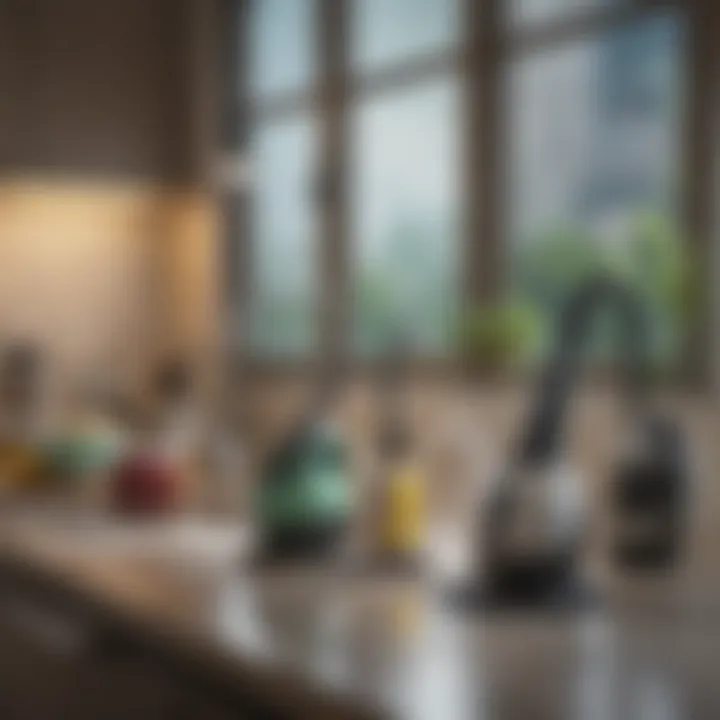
(147, 484)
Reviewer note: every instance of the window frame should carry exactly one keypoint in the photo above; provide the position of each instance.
(488, 45)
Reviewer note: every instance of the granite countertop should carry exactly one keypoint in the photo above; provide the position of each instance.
(349, 645)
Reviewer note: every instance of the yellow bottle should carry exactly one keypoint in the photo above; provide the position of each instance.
(403, 514)
(401, 511)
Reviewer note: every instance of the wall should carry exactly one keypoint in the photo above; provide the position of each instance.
(95, 88)
(107, 236)
(90, 273)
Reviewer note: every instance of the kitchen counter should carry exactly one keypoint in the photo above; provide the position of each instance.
(331, 643)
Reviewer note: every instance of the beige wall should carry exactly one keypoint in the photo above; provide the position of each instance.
(107, 255)
(187, 282)
(105, 277)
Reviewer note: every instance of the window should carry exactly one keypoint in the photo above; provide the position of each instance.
(595, 162)
(405, 210)
(434, 171)
(284, 255)
(403, 170)
(282, 46)
(283, 298)
(391, 31)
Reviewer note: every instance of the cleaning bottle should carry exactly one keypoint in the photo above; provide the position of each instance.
(304, 503)
(399, 510)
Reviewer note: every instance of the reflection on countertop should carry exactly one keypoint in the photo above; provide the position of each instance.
(647, 648)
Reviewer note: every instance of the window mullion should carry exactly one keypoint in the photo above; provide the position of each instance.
(483, 172)
(332, 183)
(234, 138)
(700, 153)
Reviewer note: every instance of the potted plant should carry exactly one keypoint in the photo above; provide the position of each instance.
(497, 339)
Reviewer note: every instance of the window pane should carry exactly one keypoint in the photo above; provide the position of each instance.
(282, 42)
(387, 31)
(405, 214)
(284, 259)
(595, 162)
(531, 11)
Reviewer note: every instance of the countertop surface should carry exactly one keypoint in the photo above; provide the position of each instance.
(650, 648)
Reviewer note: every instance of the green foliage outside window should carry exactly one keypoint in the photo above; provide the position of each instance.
(652, 257)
